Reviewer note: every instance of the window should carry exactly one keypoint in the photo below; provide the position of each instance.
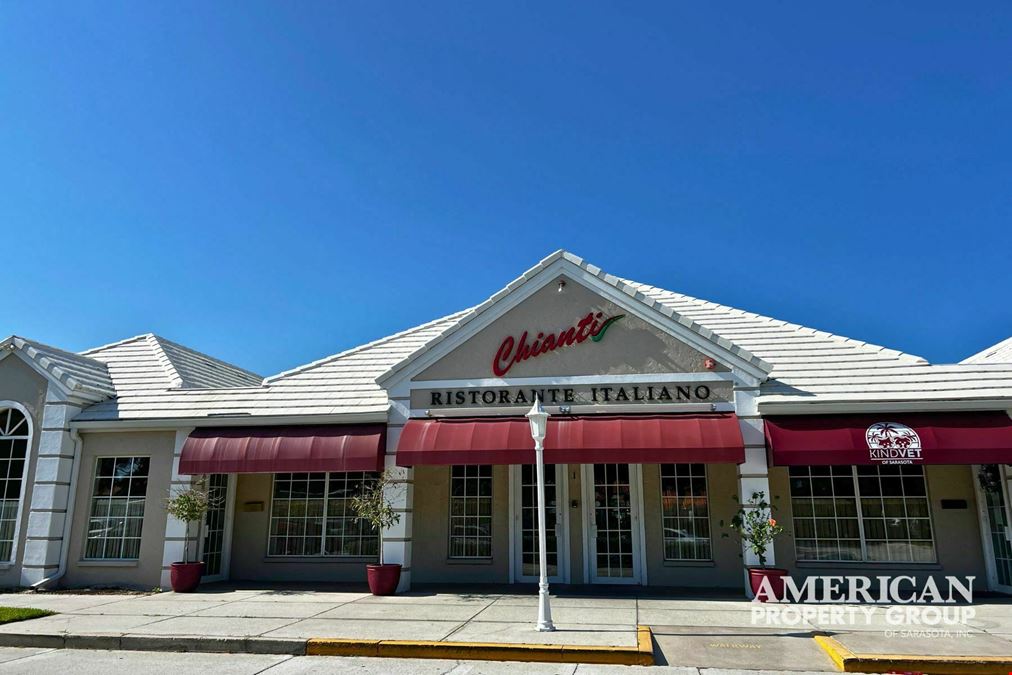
(686, 517)
(863, 513)
(117, 508)
(14, 440)
(471, 511)
(311, 516)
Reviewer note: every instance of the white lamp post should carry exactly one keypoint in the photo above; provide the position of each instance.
(539, 426)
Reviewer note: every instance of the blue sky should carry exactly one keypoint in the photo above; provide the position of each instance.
(274, 182)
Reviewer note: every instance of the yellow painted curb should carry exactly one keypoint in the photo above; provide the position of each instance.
(640, 655)
(849, 662)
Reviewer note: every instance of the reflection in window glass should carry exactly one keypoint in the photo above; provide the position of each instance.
(117, 508)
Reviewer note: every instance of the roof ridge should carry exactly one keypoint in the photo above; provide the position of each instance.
(161, 339)
(170, 368)
(117, 343)
(916, 359)
(32, 342)
(988, 351)
(375, 343)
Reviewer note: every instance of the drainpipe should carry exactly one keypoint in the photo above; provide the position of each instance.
(75, 470)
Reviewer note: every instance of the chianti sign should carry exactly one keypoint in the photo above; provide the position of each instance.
(512, 351)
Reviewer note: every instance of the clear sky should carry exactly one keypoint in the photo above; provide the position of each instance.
(274, 182)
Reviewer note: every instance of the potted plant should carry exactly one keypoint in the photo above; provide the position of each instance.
(189, 505)
(757, 528)
(373, 505)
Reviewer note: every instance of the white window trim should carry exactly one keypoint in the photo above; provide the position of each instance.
(91, 499)
(449, 517)
(709, 516)
(29, 461)
(275, 557)
(860, 527)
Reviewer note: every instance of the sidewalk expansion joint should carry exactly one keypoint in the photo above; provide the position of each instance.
(851, 662)
(640, 655)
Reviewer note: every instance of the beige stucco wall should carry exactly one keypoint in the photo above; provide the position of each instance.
(146, 571)
(724, 571)
(21, 384)
(430, 542)
(250, 561)
(956, 532)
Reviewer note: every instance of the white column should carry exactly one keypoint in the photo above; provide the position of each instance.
(50, 491)
(175, 530)
(753, 475)
(396, 540)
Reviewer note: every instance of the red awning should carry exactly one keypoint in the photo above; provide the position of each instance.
(631, 439)
(354, 447)
(914, 438)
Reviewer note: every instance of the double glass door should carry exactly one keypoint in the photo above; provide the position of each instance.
(610, 514)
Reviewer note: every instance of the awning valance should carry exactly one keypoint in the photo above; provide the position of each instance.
(283, 449)
(912, 438)
(631, 439)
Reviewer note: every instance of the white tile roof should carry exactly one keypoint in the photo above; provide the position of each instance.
(149, 362)
(806, 367)
(342, 384)
(85, 377)
(999, 353)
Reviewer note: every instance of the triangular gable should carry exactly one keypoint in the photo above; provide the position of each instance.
(649, 337)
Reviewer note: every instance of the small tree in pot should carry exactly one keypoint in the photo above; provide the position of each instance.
(373, 505)
(757, 528)
(190, 506)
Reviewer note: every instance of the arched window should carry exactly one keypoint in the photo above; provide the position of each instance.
(15, 436)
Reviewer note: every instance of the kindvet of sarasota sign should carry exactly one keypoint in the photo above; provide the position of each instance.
(516, 350)
(893, 443)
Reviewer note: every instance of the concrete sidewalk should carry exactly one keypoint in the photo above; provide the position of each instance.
(701, 632)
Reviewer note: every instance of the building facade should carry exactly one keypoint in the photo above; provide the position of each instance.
(666, 412)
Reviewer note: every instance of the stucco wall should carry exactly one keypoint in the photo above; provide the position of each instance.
(250, 561)
(19, 383)
(956, 532)
(430, 543)
(146, 571)
(724, 571)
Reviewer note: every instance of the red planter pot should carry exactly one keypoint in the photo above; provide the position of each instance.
(383, 579)
(186, 576)
(776, 582)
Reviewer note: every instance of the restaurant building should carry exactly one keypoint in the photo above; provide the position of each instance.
(665, 411)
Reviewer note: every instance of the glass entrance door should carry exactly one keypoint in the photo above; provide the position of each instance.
(526, 500)
(996, 506)
(216, 524)
(612, 518)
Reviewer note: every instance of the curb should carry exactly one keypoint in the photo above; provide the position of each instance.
(849, 662)
(156, 643)
(640, 655)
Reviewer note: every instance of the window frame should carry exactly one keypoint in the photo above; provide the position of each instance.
(29, 449)
(709, 515)
(858, 497)
(91, 503)
(280, 557)
(450, 517)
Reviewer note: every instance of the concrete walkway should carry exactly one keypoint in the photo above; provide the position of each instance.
(701, 632)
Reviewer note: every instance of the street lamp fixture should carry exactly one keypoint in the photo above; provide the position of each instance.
(539, 427)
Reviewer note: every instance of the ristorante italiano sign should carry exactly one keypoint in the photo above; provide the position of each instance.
(517, 350)
(603, 394)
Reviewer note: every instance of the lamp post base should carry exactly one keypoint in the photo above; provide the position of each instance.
(545, 624)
